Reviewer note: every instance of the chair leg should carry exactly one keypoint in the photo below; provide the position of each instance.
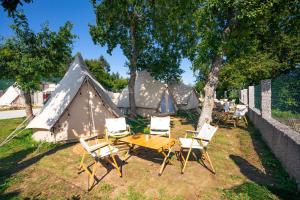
(186, 160)
(114, 164)
(92, 176)
(208, 159)
(181, 156)
(117, 167)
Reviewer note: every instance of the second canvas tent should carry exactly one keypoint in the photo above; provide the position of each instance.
(153, 97)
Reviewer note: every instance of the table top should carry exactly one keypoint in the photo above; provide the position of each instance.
(149, 141)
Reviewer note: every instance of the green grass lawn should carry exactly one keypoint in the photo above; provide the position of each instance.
(289, 118)
(246, 169)
(285, 115)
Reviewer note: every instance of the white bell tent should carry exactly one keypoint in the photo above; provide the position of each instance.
(78, 102)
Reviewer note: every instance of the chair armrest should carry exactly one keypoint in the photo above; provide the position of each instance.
(190, 131)
(98, 146)
(197, 138)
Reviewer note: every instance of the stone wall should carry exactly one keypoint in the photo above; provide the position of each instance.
(283, 141)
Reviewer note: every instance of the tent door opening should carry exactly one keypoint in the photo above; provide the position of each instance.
(167, 104)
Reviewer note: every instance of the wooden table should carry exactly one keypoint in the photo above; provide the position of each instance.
(160, 144)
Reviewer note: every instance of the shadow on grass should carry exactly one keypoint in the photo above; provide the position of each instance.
(147, 154)
(15, 163)
(189, 117)
(10, 195)
(273, 180)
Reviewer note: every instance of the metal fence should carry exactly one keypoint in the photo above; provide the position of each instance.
(279, 100)
(286, 99)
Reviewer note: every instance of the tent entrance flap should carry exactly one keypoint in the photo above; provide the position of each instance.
(167, 104)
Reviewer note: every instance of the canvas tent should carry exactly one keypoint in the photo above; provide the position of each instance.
(152, 97)
(11, 96)
(78, 102)
(185, 96)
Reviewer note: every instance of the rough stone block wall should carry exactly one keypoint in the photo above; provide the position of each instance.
(283, 141)
(245, 96)
(251, 100)
(266, 108)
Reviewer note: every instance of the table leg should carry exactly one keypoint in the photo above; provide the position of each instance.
(165, 160)
(131, 146)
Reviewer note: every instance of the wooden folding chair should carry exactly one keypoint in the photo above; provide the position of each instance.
(116, 128)
(240, 113)
(160, 126)
(101, 151)
(199, 140)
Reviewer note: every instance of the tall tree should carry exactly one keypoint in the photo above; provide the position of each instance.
(140, 28)
(122, 23)
(27, 57)
(230, 30)
(171, 26)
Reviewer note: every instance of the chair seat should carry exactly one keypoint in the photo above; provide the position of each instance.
(118, 134)
(97, 146)
(186, 143)
(104, 151)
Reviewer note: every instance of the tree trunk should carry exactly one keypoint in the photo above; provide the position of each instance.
(131, 91)
(209, 90)
(133, 61)
(28, 105)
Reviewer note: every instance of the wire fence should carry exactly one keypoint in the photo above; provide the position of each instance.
(257, 97)
(286, 99)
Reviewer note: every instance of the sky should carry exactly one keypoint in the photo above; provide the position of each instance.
(80, 13)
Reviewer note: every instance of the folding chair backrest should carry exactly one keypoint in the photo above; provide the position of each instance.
(160, 123)
(114, 125)
(207, 132)
(241, 110)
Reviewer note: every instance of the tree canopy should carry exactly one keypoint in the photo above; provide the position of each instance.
(100, 68)
(137, 27)
(27, 57)
(11, 5)
(262, 41)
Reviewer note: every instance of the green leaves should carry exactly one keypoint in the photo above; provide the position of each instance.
(100, 69)
(258, 39)
(150, 33)
(27, 57)
(11, 5)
